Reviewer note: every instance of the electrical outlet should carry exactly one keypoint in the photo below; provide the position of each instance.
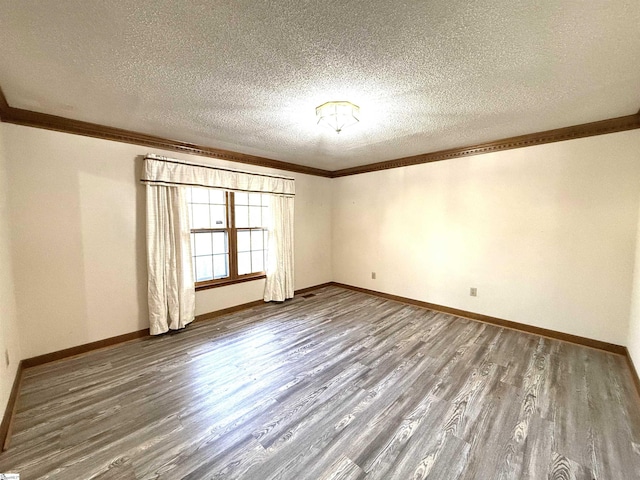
(6, 357)
(373, 275)
(473, 292)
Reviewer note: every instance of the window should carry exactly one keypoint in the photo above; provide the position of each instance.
(228, 235)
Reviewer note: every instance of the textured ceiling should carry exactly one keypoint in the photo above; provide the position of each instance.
(247, 75)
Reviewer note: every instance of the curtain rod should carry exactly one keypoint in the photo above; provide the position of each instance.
(154, 156)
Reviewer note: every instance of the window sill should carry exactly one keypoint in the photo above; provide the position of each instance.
(224, 283)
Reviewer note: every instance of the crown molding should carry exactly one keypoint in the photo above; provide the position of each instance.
(601, 127)
(61, 124)
(52, 122)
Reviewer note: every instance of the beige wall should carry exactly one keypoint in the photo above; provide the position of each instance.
(633, 340)
(547, 234)
(77, 216)
(9, 337)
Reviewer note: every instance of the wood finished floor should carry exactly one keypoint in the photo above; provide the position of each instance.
(341, 385)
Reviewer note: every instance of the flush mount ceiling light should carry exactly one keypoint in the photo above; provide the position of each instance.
(338, 115)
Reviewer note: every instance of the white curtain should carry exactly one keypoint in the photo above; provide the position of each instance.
(279, 284)
(171, 283)
(171, 286)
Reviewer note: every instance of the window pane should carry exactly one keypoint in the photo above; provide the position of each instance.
(244, 240)
(204, 268)
(255, 199)
(218, 217)
(219, 242)
(242, 216)
(216, 196)
(244, 263)
(257, 260)
(200, 195)
(203, 244)
(256, 239)
(255, 216)
(200, 216)
(220, 266)
(241, 198)
(210, 249)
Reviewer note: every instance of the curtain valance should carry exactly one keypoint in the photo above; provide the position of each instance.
(171, 172)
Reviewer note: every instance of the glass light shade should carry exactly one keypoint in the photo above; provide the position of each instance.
(338, 115)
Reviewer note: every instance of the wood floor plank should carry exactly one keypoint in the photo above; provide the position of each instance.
(340, 385)
(342, 469)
